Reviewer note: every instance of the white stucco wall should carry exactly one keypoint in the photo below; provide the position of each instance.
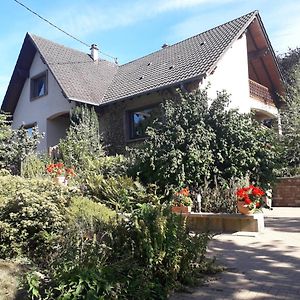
(39, 110)
(231, 75)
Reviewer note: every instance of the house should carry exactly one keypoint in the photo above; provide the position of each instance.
(49, 79)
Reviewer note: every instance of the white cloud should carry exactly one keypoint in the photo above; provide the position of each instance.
(94, 17)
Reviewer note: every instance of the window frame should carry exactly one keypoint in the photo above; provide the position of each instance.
(33, 81)
(29, 126)
(131, 137)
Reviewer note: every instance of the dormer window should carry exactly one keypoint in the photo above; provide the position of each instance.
(39, 85)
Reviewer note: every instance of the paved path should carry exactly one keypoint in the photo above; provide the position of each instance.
(261, 266)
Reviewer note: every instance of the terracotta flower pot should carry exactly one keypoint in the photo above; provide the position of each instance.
(181, 209)
(244, 209)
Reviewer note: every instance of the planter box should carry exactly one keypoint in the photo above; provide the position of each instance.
(181, 209)
(227, 223)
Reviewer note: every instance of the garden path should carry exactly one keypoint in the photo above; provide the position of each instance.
(259, 266)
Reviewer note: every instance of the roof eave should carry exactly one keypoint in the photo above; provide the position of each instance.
(174, 84)
(243, 29)
(19, 77)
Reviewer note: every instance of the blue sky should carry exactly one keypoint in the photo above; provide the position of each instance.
(129, 29)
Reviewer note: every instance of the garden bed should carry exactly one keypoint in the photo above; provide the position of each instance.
(227, 223)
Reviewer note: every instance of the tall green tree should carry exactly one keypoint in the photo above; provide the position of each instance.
(83, 139)
(192, 141)
(290, 112)
(290, 116)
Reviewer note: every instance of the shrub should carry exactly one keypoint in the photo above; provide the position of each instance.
(33, 166)
(220, 197)
(160, 252)
(121, 193)
(32, 216)
(193, 141)
(143, 256)
(16, 145)
(83, 140)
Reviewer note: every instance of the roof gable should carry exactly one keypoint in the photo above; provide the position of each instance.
(101, 82)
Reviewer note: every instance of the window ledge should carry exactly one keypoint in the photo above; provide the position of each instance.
(38, 97)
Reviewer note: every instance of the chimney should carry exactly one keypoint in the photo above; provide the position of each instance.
(94, 52)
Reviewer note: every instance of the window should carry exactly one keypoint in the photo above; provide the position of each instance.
(39, 86)
(29, 128)
(138, 121)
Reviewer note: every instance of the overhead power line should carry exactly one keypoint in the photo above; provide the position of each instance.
(60, 29)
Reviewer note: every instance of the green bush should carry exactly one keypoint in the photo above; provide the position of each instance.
(160, 252)
(32, 216)
(121, 193)
(33, 166)
(15, 145)
(142, 256)
(192, 141)
(220, 197)
(83, 140)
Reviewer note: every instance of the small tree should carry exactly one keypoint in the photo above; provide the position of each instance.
(16, 145)
(83, 140)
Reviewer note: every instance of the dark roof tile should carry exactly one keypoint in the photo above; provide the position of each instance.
(191, 58)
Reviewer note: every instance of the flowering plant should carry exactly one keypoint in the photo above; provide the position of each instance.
(59, 169)
(251, 196)
(182, 198)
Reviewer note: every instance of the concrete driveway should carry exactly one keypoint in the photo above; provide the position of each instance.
(259, 266)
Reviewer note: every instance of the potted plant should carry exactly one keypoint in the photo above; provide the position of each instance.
(60, 173)
(182, 202)
(250, 199)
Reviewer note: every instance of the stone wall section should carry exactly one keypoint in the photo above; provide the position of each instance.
(287, 192)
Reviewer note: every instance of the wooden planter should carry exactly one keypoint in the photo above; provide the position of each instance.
(181, 209)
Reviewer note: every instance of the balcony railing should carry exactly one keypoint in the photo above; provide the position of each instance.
(260, 93)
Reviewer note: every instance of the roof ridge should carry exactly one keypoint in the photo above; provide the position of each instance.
(254, 12)
(32, 36)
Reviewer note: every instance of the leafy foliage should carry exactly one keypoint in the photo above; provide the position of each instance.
(287, 63)
(192, 142)
(83, 140)
(220, 197)
(139, 257)
(16, 145)
(121, 193)
(290, 141)
(32, 215)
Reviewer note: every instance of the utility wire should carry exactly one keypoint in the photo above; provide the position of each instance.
(63, 31)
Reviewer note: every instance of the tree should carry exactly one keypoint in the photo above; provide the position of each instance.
(83, 140)
(192, 141)
(16, 144)
(290, 113)
(290, 116)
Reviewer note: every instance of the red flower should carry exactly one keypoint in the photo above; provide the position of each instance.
(257, 192)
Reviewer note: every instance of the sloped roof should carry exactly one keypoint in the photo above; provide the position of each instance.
(189, 59)
(78, 75)
(81, 79)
